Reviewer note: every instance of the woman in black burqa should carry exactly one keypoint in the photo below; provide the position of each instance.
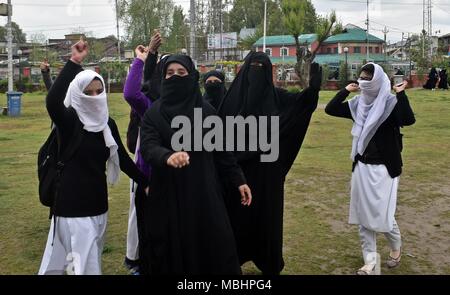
(433, 78)
(188, 230)
(259, 229)
(443, 79)
(215, 90)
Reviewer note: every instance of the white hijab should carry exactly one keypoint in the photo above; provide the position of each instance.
(93, 113)
(370, 109)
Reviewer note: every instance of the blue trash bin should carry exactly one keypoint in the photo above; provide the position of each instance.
(14, 103)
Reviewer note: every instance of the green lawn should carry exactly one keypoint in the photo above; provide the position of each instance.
(317, 238)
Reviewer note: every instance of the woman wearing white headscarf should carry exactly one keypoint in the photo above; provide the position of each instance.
(78, 107)
(376, 154)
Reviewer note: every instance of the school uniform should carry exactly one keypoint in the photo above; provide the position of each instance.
(376, 154)
(81, 204)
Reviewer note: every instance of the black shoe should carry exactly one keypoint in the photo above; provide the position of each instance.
(132, 265)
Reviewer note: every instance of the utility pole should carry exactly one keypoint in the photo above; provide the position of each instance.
(403, 45)
(367, 32)
(10, 50)
(192, 31)
(409, 55)
(118, 33)
(385, 31)
(265, 26)
(221, 30)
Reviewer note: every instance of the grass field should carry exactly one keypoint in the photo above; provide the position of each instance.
(317, 238)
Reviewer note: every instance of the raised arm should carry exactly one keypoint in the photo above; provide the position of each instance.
(150, 63)
(60, 115)
(338, 107)
(45, 71)
(132, 89)
(403, 112)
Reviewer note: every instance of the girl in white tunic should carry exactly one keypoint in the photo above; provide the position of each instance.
(376, 154)
(77, 105)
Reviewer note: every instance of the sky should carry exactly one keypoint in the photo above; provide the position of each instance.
(54, 18)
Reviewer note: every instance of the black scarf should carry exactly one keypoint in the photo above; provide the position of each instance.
(214, 92)
(180, 95)
(252, 91)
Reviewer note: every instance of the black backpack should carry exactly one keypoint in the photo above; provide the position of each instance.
(51, 163)
(133, 131)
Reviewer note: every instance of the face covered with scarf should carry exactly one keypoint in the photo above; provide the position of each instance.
(180, 92)
(252, 91)
(371, 108)
(91, 105)
(214, 88)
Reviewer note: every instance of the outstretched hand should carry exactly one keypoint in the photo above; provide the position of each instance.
(315, 76)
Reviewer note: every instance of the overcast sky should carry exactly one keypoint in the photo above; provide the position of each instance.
(54, 18)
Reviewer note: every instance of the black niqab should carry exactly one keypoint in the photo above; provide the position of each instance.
(215, 91)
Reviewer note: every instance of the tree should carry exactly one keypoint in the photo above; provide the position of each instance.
(18, 35)
(141, 17)
(41, 51)
(177, 38)
(296, 18)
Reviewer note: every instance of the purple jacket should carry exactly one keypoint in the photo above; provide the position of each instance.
(138, 102)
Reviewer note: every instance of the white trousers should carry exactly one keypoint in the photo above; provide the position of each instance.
(369, 241)
(77, 246)
(132, 233)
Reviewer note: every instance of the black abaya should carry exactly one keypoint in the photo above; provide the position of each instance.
(187, 230)
(432, 79)
(259, 228)
(443, 82)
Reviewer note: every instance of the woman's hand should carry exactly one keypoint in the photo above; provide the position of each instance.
(79, 51)
(45, 66)
(401, 88)
(178, 160)
(141, 52)
(246, 195)
(155, 42)
(353, 87)
(147, 190)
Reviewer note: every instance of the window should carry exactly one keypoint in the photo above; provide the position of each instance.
(356, 49)
(377, 49)
(336, 50)
(269, 51)
(284, 51)
(354, 66)
(370, 49)
(328, 50)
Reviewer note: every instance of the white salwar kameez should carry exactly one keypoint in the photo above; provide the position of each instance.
(372, 206)
(77, 246)
(373, 197)
(132, 232)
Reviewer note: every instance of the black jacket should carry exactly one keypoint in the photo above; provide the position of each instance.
(387, 139)
(83, 191)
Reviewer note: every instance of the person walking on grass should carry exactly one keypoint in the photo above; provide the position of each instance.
(377, 117)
